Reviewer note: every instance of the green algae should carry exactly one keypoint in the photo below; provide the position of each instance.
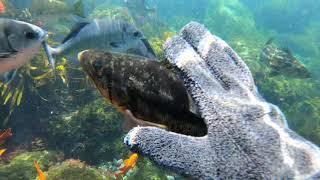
(89, 133)
(74, 170)
(22, 167)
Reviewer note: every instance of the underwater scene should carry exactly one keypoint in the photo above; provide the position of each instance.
(159, 89)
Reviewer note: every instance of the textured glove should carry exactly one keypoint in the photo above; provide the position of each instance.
(247, 136)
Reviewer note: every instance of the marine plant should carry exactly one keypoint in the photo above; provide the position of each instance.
(113, 12)
(74, 170)
(22, 167)
(90, 133)
(158, 42)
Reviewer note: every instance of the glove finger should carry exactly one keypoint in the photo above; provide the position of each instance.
(193, 68)
(219, 56)
(183, 154)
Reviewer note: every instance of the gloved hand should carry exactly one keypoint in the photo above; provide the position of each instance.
(247, 136)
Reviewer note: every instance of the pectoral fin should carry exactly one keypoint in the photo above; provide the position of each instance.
(9, 76)
(131, 122)
(8, 54)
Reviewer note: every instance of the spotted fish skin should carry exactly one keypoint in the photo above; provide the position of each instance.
(282, 62)
(150, 91)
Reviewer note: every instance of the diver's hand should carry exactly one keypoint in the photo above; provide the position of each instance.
(247, 137)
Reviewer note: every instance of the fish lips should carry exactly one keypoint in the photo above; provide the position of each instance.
(85, 60)
(82, 57)
(43, 36)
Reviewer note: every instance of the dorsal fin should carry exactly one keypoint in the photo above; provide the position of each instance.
(148, 46)
(75, 30)
(269, 41)
(289, 53)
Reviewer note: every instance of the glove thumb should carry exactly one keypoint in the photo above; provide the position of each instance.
(177, 152)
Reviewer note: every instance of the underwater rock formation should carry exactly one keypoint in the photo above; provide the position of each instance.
(247, 136)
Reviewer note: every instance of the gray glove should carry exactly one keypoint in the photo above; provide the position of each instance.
(247, 136)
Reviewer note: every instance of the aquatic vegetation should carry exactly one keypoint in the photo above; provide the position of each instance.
(157, 43)
(113, 12)
(74, 170)
(298, 99)
(231, 19)
(89, 133)
(22, 167)
(31, 77)
(147, 170)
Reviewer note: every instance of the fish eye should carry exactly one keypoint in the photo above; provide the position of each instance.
(114, 45)
(30, 35)
(97, 65)
(137, 34)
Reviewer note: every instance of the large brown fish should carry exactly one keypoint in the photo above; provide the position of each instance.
(143, 89)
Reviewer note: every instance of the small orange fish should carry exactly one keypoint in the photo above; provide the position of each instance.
(2, 151)
(2, 7)
(128, 164)
(41, 175)
(5, 135)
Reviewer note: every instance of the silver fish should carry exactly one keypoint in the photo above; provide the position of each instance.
(105, 34)
(20, 41)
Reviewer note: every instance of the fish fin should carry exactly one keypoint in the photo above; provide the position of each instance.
(286, 50)
(116, 44)
(75, 30)
(48, 51)
(148, 46)
(9, 76)
(8, 54)
(131, 122)
(128, 124)
(270, 41)
(2, 151)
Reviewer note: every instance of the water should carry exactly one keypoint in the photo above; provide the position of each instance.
(66, 116)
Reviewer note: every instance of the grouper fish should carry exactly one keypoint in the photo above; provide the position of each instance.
(144, 90)
(282, 61)
(105, 34)
(19, 42)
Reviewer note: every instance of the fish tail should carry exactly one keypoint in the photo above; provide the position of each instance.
(49, 52)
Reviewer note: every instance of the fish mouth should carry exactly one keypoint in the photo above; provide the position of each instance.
(85, 62)
(82, 58)
(43, 36)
